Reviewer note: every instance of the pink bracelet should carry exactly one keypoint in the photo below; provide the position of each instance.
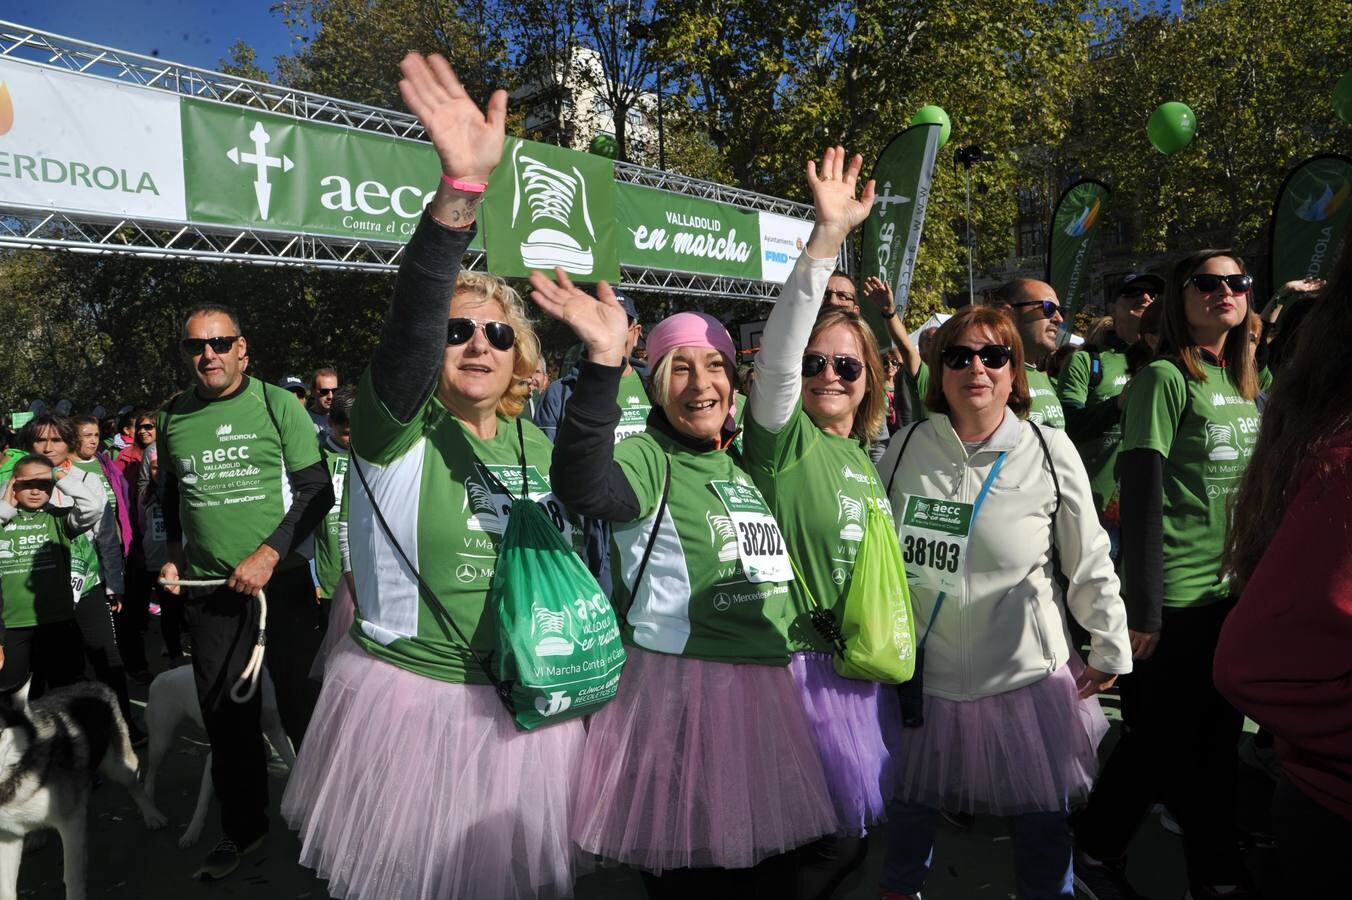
(469, 187)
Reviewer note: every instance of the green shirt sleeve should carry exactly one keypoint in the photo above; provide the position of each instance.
(1265, 379)
(1159, 394)
(377, 435)
(1073, 386)
(644, 464)
(299, 448)
(774, 451)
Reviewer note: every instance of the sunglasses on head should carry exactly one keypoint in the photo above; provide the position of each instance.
(992, 356)
(459, 331)
(847, 367)
(1209, 284)
(1049, 307)
(195, 346)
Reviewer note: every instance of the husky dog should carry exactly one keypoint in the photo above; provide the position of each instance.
(50, 751)
(173, 698)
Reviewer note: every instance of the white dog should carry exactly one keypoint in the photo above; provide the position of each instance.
(173, 698)
(49, 752)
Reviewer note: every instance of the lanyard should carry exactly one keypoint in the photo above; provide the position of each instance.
(976, 508)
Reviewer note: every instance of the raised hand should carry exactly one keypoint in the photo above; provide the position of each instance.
(880, 292)
(468, 141)
(834, 186)
(601, 323)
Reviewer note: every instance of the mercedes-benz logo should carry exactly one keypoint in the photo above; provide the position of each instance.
(466, 573)
(722, 601)
(838, 575)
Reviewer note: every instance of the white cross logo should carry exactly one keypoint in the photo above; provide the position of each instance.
(887, 198)
(259, 158)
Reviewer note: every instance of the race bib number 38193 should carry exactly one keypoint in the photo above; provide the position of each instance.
(934, 536)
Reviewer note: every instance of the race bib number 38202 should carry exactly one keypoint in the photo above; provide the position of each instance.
(934, 536)
(760, 544)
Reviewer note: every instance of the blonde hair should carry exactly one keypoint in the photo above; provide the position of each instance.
(660, 382)
(527, 348)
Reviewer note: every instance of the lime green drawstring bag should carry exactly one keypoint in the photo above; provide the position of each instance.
(875, 637)
(559, 652)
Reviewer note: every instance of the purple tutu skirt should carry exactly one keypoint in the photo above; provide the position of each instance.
(412, 788)
(700, 764)
(854, 724)
(1029, 750)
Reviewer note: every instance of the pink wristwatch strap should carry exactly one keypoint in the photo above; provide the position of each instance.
(469, 187)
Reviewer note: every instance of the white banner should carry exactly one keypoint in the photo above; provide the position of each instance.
(782, 239)
(77, 143)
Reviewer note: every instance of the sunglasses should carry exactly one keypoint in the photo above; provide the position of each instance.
(1049, 307)
(1136, 293)
(992, 356)
(847, 367)
(324, 392)
(195, 346)
(145, 427)
(33, 484)
(459, 331)
(1209, 284)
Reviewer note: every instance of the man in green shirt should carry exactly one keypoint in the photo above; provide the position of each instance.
(330, 563)
(243, 485)
(1035, 312)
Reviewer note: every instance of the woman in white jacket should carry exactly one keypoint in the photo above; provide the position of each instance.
(1002, 717)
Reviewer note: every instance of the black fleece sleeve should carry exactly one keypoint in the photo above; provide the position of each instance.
(168, 487)
(1141, 474)
(584, 474)
(311, 498)
(407, 362)
(1085, 423)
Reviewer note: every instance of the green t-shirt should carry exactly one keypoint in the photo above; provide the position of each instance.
(231, 458)
(1206, 433)
(328, 555)
(804, 474)
(1100, 453)
(919, 386)
(695, 599)
(35, 573)
(429, 479)
(86, 569)
(634, 406)
(1045, 408)
(12, 457)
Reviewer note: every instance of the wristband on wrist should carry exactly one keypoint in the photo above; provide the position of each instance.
(890, 313)
(469, 187)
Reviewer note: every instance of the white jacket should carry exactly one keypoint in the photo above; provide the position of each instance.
(1006, 628)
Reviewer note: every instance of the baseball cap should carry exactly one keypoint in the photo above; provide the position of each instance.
(1138, 280)
(628, 303)
(292, 383)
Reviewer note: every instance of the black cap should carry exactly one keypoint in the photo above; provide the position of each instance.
(627, 302)
(292, 383)
(1137, 280)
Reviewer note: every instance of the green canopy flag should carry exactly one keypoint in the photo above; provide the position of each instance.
(1309, 219)
(1070, 242)
(892, 231)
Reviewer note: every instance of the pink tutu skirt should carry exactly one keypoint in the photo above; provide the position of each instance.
(412, 788)
(855, 724)
(700, 764)
(1029, 750)
(341, 613)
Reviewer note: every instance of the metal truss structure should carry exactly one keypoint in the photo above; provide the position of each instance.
(30, 228)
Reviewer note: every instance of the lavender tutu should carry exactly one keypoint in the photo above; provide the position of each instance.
(853, 723)
(341, 613)
(408, 787)
(698, 764)
(1029, 750)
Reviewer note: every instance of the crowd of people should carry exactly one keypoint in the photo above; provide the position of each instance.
(1162, 510)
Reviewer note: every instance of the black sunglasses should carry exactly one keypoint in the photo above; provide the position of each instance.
(992, 356)
(325, 391)
(145, 426)
(847, 367)
(33, 484)
(1209, 284)
(195, 346)
(1049, 307)
(460, 331)
(1134, 292)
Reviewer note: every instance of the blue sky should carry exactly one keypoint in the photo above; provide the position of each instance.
(198, 32)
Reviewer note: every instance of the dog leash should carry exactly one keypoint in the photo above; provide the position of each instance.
(247, 685)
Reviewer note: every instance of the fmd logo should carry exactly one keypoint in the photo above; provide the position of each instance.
(261, 162)
(776, 256)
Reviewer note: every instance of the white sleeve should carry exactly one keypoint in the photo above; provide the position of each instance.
(87, 501)
(343, 545)
(1094, 597)
(779, 370)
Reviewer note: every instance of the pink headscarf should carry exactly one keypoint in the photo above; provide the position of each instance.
(689, 329)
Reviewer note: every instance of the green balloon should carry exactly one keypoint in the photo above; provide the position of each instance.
(1171, 127)
(604, 145)
(934, 115)
(1342, 97)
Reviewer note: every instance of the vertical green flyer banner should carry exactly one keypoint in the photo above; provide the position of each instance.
(547, 207)
(662, 230)
(1075, 221)
(1310, 218)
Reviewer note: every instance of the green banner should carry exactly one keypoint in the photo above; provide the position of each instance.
(662, 230)
(1070, 243)
(892, 230)
(554, 207)
(1309, 219)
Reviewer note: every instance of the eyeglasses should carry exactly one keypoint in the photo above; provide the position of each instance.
(992, 356)
(33, 484)
(847, 367)
(218, 345)
(1050, 308)
(1209, 284)
(844, 295)
(145, 426)
(459, 331)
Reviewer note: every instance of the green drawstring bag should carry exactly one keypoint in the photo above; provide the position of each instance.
(876, 623)
(559, 652)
